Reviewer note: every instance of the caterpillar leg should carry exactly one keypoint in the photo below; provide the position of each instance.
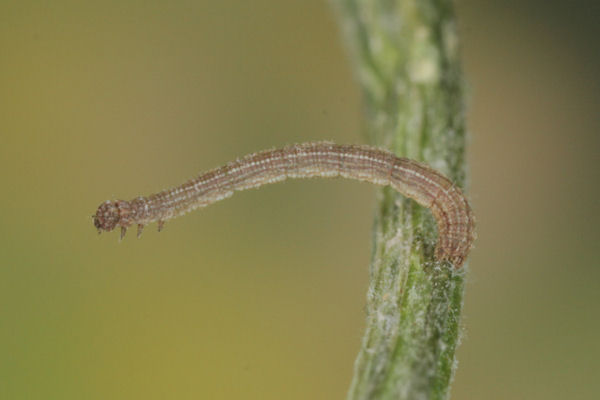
(123, 232)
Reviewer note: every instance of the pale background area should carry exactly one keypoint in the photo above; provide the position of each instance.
(262, 296)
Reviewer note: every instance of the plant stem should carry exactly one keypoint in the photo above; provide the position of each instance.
(406, 58)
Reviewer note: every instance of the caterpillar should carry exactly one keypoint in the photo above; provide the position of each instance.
(429, 188)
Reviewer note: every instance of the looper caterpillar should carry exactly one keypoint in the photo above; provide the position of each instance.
(429, 188)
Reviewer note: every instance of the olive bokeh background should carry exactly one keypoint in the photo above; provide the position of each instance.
(262, 296)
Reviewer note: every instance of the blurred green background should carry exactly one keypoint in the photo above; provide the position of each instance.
(262, 296)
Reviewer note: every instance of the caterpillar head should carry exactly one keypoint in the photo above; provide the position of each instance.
(111, 214)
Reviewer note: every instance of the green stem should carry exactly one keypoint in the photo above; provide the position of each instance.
(406, 59)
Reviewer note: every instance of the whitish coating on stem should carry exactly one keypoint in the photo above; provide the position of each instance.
(455, 219)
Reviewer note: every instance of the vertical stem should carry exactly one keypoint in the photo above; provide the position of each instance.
(406, 58)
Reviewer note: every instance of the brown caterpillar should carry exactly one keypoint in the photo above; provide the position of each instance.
(429, 188)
